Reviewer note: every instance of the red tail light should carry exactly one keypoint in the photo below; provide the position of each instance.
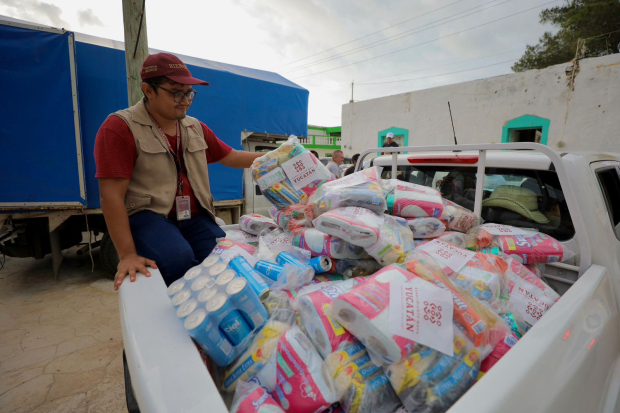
(455, 158)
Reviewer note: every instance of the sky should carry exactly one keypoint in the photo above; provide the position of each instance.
(384, 47)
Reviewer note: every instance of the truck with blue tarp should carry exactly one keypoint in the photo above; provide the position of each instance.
(59, 87)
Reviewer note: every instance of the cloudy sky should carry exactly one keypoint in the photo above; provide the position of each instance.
(386, 47)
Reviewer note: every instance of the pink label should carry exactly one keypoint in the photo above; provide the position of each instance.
(296, 389)
(255, 399)
(429, 202)
(532, 250)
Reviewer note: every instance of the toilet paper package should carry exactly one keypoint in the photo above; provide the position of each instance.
(364, 312)
(409, 200)
(250, 397)
(355, 225)
(296, 375)
(425, 227)
(394, 243)
(314, 309)
(360, 189)
(255, 223)
(320, 243)
(289, 174)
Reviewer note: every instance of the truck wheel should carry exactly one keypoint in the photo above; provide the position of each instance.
(132, 403)
(108, 255)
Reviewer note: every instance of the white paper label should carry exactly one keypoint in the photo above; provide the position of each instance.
(234, 251)
(530, 300)
(270, 179)
(422, 312)
(350, 180)
(301, 170)
(447, 254)
(498, 229)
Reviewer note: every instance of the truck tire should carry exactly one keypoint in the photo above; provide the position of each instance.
(108, 255)
(130, 399)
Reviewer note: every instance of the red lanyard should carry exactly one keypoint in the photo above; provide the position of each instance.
(176, 155)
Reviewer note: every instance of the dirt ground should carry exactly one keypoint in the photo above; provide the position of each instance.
(60, 341)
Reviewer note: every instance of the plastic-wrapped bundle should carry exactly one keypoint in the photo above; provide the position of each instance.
(426, 227)
(314, 308)
(394, 243)
(458, 218)
(289, 174)
(320, 243)
(364, 312)
(255, 223)
(296, 375)
(527, 246)
(290, 218)
(527, 293)
(241, 236)
(355, 268)
(409, 200)
(250, 397)
(358, 226)
(361, 385)
(361, 189)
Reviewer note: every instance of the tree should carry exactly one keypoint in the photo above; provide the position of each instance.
(596, 21)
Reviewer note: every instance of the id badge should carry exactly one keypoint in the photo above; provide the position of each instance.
(183, 208)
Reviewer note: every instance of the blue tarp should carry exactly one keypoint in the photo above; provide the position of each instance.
(237, 99)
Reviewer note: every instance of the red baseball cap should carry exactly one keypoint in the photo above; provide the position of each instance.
(166, 64)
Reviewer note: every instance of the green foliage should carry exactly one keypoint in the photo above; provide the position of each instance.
(577, 19)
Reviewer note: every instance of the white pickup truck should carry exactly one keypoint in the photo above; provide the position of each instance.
(568, 362)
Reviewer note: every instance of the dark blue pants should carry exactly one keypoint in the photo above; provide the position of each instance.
(175, 246)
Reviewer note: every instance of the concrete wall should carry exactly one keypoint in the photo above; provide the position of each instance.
(585, 119)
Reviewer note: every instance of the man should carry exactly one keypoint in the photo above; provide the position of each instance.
(351, 169)
(153, 176)
(389, 142)
(315, 153)
(334, 164)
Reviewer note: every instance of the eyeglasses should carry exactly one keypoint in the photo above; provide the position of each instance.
(178, 96)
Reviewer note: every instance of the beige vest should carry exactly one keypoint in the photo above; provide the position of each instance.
(154, 184)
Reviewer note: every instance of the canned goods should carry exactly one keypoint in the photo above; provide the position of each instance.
(175, 287)
(180, 297)
(269, 269)
(210, 261)
(206, 294)
(187, 308)
(232, 323)
(321, 264)
(217, 269)
(200, 283)
(225, 277)
(209, 337)
(243, 268)
(192, 273)
(286, 258)
(245, 299)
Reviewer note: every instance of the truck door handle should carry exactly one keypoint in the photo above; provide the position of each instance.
(258, 191)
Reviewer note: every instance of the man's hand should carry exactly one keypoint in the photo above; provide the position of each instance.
(132, 264)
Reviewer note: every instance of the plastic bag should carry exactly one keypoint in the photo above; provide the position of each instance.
(409, 200)
(527, 246)
(355, 225)
(455, 238)
(290, 218)
(320, 243)
(426, 227)
(289, 174)
(458, 218)
(255, 223)
(250, 397)
(360, 189)
(355, 268)
(241, 236)
(394, 243)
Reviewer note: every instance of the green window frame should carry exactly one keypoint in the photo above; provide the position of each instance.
(526, 122)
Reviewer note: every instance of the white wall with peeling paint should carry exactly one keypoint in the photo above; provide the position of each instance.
(585, 119)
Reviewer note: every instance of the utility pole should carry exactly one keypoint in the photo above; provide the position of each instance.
(352, 82)
(136, 46)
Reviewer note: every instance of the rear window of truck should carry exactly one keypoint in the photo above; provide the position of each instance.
(518, 197)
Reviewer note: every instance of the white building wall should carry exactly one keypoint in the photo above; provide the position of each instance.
(585, 119)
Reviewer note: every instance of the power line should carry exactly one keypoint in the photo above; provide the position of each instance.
(441, 74)
(368, 35)
(429, 41)
(397, 36)
(437, 67)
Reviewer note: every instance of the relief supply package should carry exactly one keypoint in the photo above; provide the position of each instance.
(357, 226)
(289, 174)
(394, 243)
(360, 189)
(426, 227)
(458, 218)
(250, 397)
(320, 243)
(409, 200)
(290, 218)
(255, 224)
(527, 246)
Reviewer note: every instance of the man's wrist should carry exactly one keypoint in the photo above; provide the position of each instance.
(127, 255)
